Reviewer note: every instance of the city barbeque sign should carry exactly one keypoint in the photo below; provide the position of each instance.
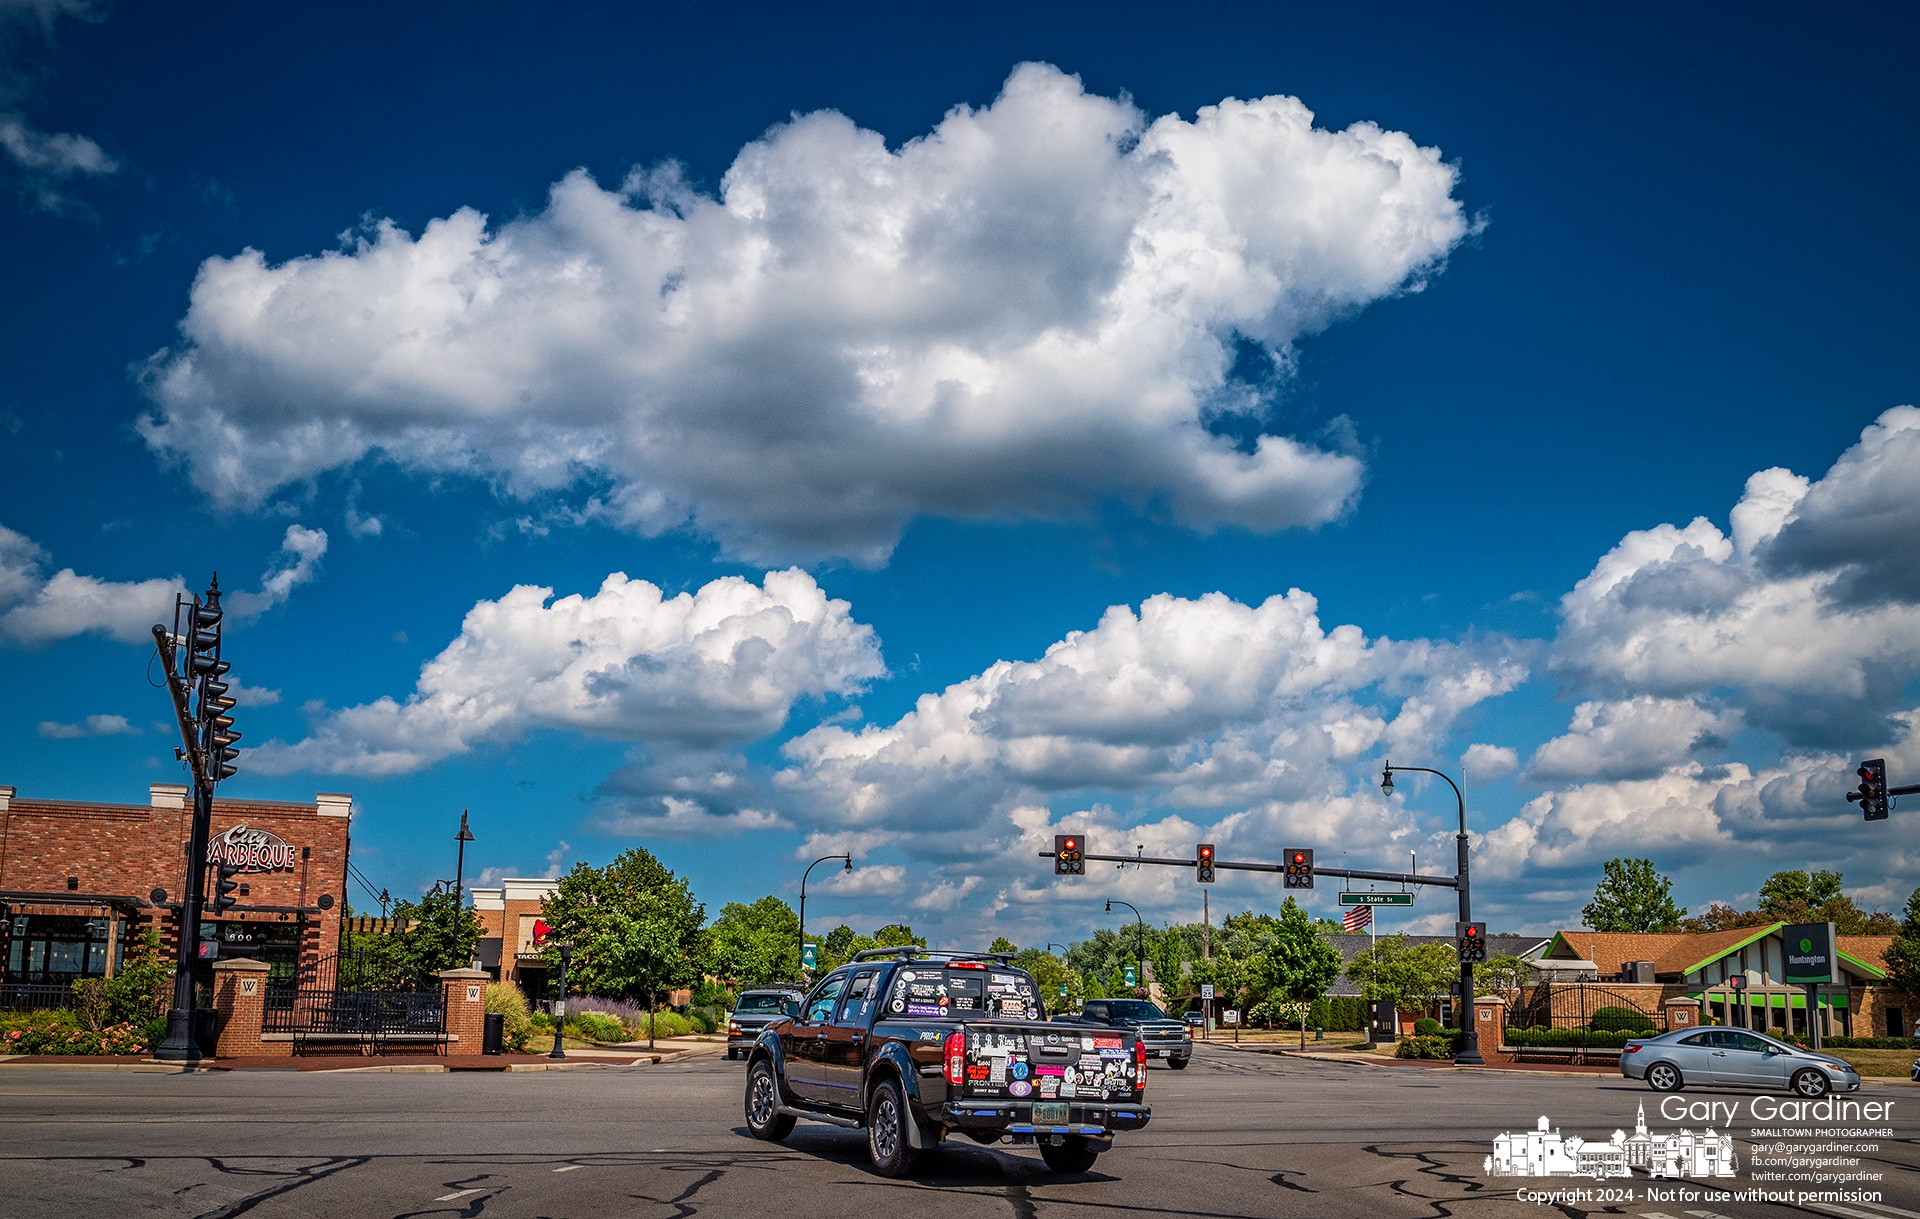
(250, 850)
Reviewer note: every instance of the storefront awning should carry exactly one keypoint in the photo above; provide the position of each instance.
(118, 901)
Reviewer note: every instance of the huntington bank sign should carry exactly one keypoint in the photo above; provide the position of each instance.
(250, 850)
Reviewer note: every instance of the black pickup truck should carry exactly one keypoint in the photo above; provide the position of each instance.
(912, 1046)
(1163, 1036)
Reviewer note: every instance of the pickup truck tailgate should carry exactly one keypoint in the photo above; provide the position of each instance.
(1043, 1062)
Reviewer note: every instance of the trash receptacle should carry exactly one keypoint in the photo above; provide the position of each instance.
(206, 1030)
(493, 1038)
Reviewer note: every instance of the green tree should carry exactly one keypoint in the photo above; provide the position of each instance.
(1412, 976)
(749, 945)
(1816, 897)
(1903, 955)
(1051, 973)
(1718, 916)
(1502, 975)
(1632, 896)
(898, 935)
(635, 927)
(1168, 953)
(1002, 944)
(1299, 965)
(440, 934)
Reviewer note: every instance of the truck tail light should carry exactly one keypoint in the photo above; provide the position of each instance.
(956, 1058)
(1139, 1064)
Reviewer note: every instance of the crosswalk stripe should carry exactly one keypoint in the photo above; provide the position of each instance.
(1892, 1210)
(570, 1168)
(1707, 1215)
(456, 1194)
(1654, 1215)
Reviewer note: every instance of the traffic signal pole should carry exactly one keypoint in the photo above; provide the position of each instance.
(179, 1044)
(1469, 1052)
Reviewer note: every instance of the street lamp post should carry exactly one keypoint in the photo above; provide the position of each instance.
(803, 898)
(1140, 953)
(560, 1004)
(460, 861)
(1469, 1036)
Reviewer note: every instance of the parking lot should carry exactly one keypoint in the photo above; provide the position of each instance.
(1237, 1134)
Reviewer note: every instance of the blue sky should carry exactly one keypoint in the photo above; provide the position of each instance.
(1521, 346)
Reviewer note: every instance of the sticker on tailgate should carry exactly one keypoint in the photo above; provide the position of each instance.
(1049, 1114)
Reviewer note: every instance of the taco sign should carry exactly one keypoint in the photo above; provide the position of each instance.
(250, 850)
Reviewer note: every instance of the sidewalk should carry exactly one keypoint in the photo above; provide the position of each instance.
(1496, 1062)
(666, 1050)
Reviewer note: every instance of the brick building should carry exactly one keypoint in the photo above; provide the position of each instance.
(508, 913)
(80, 879)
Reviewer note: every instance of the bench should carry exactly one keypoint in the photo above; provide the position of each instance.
(1574, 1055)
(373, 1021)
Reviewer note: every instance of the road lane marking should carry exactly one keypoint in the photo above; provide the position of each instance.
(1654, 1215)
(456, 1194)
(1830, 1208)
(570, 1168)
(1707, 1215)
(1892, 1210)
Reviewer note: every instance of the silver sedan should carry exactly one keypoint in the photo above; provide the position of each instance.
(1733, 1058)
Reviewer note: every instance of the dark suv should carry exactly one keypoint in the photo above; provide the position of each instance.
(755, 1010)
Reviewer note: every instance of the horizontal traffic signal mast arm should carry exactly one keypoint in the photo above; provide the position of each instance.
(1909, 789)
(1344, 873)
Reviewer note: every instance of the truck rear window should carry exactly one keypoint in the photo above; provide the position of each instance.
(963, 994)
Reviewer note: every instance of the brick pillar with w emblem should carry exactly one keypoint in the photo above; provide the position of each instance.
(240, 998)
(466, 991)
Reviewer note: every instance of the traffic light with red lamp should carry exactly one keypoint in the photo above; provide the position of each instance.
(1069, 855)
(1297, 873)
(1471, 941)
(1203, 863)
(1872, 794)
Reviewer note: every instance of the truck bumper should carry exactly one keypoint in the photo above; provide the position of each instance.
(1016, 1117)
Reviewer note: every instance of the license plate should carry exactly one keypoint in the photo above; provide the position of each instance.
(1155, 1053)
(1049, 1113)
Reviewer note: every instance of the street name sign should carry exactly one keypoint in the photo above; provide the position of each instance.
(1376, 899)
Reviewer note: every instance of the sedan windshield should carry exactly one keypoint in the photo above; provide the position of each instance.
(1135, 1009)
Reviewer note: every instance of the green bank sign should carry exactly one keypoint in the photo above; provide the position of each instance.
(1809, 953)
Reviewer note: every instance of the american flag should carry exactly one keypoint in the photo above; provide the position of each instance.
(1358, 918)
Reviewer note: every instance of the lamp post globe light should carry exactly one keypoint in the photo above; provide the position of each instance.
(1469, 1036)
(1140, 950)
(803, 898)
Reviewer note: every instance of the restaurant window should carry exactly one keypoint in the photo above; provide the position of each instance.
(55, 949)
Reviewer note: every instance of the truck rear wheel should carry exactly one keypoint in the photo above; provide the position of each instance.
(887, 1118)
(764, 1119)
(1071, 1156)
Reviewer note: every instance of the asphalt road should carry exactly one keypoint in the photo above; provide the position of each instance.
(1237, 1134)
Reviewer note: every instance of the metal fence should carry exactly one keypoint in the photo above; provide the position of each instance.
(34, 997)
(344, 999)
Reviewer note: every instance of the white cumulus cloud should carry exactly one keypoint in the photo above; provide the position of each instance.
(1788, 610)
(1630, 739)
(1485, 763)
(1034, 306)
(38, 609)
(722, 665)
(93, 725)
(1203, 703)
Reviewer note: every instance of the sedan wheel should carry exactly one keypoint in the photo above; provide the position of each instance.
(1810, 1083)
(1664, 1077)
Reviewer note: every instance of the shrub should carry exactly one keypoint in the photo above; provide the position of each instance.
(143, 987)
(1616, 1019)
(508, 1001)
(1427, 1026)
(1338, 1013)
(595, 1026)
(62, 1032)
(1425, 1047)
(702, 1023)
(1863, 1043)
(1573, 1038)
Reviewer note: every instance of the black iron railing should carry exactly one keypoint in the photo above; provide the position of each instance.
(33, 997)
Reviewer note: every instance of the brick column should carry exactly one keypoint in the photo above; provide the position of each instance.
(1682, 1013)
(466, 991)
(1490, 1021)
(240, 996)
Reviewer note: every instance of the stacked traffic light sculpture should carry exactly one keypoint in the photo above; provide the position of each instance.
(1873, 789)
(203, 704)
(1203, 863)
(1069, 855)
(223, 888)
(1297, 873)
(1471, 940)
